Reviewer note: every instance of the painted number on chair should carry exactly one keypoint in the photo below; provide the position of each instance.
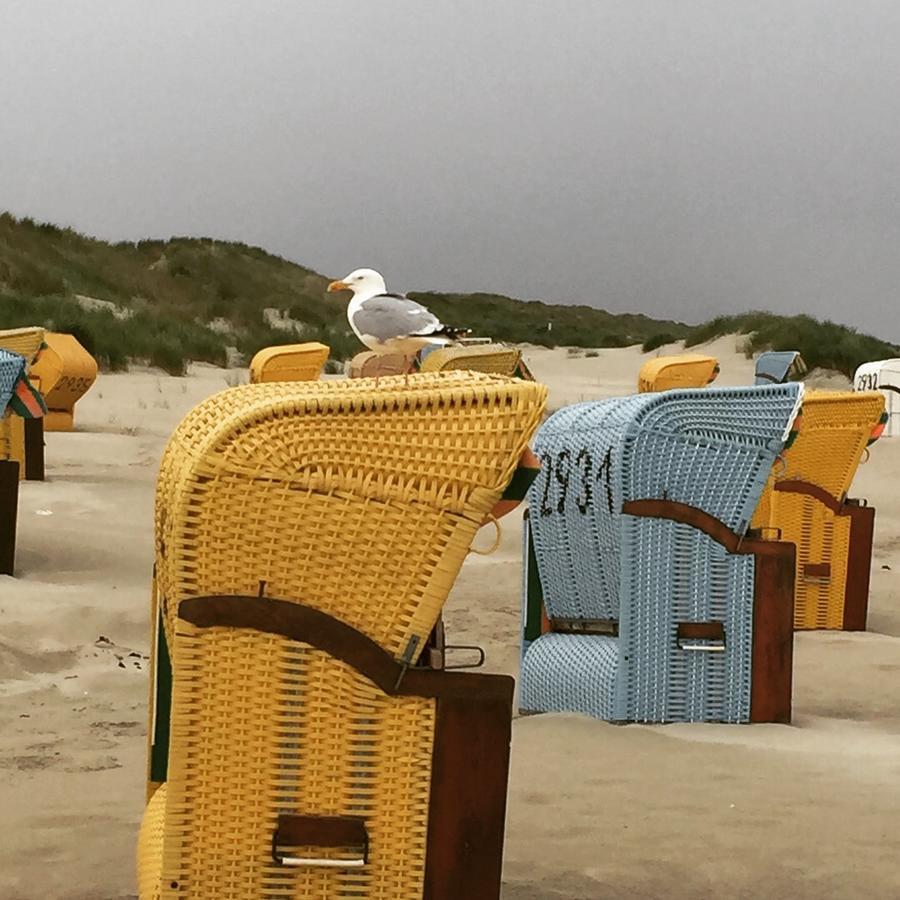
(868, 381)
(561, 471)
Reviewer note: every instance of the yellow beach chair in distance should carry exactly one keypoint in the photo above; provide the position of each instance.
(64, 372)
(806, 501)
(494, 358)
(370, 364)
(289, 362)
(307, 755)
(688, 370)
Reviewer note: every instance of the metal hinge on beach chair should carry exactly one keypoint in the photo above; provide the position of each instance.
(434, 656)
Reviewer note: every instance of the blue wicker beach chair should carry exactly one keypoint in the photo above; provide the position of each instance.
(779, 366)
(645, 598)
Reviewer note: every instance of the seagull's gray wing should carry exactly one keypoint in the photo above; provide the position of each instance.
(387, 316)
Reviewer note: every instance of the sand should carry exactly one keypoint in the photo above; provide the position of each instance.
(810, 810)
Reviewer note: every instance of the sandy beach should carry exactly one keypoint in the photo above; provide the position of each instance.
(809, 811)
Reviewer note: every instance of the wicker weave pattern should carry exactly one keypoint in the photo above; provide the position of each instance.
(337, 470)
(24, 341)
(648, 574)
(299, 731)
(835, 431)
(689, 370)
(656, 445)
(290, 362)
(314, 489)
(150, 846)
(659, 682)
(571, 673)
(493, 358)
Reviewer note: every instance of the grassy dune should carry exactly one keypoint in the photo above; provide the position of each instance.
(170, 302)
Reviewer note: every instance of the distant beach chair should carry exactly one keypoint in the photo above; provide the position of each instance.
(64, 372)
(806, 503)
(883, 375)
(289, 362)
(779, 366)
(493, 358)
(299, 750)
(26, 342)
(646, 600)
(689, 370)
(369, 364)
(24, 438)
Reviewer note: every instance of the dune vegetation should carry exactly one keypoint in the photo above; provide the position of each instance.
(168, 302)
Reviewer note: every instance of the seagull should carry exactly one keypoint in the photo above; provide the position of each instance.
(391, 323)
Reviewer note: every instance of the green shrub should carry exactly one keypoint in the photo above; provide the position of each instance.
(655, 341)
(168, 354)
(823, 345)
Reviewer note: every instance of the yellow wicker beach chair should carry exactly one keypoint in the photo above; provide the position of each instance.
(26, 342)
(806, 501)
(689, 370)
(494, 358)
(306, 755)
(369, 364)
(289, 362)
(64, 372)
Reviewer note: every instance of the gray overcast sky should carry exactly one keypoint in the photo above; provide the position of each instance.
(676, 157)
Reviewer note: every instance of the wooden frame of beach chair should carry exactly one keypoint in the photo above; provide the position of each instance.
(289, 362)
(9, 504)
(64, 372)
(688, 370)
(306, 754)
(806, 502)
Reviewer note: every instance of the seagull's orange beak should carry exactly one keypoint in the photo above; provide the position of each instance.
(338, 286)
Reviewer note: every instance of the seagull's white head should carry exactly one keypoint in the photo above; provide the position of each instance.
(360, 281)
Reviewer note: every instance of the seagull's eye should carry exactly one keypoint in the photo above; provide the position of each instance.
(359, 278)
